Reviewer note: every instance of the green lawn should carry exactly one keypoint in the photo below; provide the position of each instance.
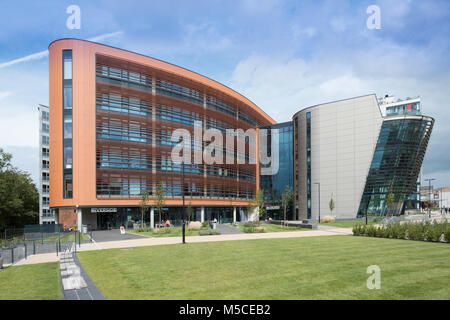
(332, 267)
(347, 224)
(270, 227)
(31, 282)
(169, 232)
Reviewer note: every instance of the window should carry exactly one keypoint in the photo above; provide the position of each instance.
(67, 127)
(67, 124)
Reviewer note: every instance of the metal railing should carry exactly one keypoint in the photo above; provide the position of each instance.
(17, 244)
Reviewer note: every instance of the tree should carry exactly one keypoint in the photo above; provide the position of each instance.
(19, 199)
(258, 203)
(390, 201)
(144, 206)
(189, 212)
(331, 204)
(159, 200)
(286, 199)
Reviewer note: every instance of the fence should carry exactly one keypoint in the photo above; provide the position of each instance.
(416, 218)
(17, 248)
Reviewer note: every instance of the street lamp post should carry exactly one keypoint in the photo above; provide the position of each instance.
(318, 183)
(429, 196)
(183, 214)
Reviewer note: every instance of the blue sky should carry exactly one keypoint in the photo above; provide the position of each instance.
(283, 55)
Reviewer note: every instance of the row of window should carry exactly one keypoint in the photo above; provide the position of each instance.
(174, 90)
(140, 160)
(134, 186)
(133, 131)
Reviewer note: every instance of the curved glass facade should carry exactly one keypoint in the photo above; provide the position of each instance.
(396, 165)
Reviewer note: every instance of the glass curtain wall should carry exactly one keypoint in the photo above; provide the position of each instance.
(274, 185)
(396, 165)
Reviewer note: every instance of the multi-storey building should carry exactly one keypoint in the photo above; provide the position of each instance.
(46, 216)
(113, 115)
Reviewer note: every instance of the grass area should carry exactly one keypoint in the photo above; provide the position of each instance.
(331, 267)
(270, 227)
(348, 224)
(31, 282)
(167, 232)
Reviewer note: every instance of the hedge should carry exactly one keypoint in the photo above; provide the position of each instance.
(437, 231)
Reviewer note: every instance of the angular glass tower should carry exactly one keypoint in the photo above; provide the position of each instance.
(396, 164)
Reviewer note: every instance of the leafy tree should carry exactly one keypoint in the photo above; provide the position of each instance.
(189, 212)
(258, 204)
(390, 201)
(144, 206)
(286, 199)
(331, 204)
(19, 199)
(160, 200)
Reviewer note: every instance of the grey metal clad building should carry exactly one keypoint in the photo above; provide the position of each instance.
(365, 159)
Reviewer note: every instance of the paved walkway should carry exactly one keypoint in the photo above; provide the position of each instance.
(224, 237)
(39, 258)
(224, 229)
(76, 283)
(113, 235)
(141, 241)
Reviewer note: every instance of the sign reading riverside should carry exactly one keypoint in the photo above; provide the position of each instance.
(99, 210)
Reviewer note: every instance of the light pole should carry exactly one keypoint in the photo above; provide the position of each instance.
(429, 196)
(318, 183)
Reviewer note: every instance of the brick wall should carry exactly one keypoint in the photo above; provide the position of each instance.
(67, 217)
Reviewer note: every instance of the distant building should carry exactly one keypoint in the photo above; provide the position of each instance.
(444, 197)
(46, 216)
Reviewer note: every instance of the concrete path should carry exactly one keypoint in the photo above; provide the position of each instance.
(224, 229)
(39, 258)
(76, 283)
(113, 235)
(141, 241)
(225, 237)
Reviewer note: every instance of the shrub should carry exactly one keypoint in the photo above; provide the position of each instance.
(356, 230)
(371, 231)
(209, 232)
(162, 230)
(415, 231)
(447, 234)
(194, 225)
(327, 219)
(205, 225)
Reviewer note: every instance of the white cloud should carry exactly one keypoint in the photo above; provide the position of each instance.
(4, 94)
(43, 54)
(31, 57)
